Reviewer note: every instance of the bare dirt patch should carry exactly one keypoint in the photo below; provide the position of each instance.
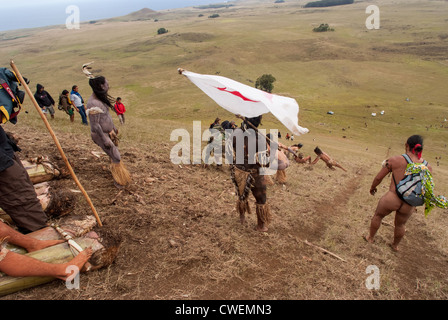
(181, 236)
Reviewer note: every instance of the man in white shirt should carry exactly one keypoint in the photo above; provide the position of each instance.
(79, 104)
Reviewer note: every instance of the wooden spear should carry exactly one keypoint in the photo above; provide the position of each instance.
(58, 145)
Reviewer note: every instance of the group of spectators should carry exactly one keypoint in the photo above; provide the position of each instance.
(69, 102)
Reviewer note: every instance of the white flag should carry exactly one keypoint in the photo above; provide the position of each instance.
(249, 102)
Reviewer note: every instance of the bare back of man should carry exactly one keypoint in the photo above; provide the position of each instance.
(390, 201)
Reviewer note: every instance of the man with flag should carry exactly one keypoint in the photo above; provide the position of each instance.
(247, 146)
(246, 101)
(249, 153)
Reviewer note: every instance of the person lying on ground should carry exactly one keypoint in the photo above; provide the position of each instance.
(327, 159)
(302, 159)
(295, 149)
(18, 265)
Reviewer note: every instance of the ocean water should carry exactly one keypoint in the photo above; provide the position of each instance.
(20, 14)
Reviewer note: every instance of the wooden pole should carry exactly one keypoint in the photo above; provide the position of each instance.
(321, 249)
(58, 145)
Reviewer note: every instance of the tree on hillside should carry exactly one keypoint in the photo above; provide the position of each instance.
(162, 31)
(265, 83)
(328, 3)
(324, 27)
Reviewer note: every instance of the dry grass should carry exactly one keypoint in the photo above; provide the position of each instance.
(182, 236)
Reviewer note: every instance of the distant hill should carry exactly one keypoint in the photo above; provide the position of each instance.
(143, 14)
(215, 6)
(328, 3)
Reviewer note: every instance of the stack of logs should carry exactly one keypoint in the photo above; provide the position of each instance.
(57, 204)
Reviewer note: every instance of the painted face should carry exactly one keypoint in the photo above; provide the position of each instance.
(105, 85)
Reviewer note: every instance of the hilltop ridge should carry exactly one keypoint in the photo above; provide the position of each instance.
(139, 15)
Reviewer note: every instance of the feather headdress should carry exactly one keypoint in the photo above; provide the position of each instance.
(86, 68)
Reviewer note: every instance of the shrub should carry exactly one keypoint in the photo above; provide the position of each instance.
(324, 27)
(162, 31)
(328, 3)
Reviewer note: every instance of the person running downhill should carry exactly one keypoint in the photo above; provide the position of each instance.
(390, 201)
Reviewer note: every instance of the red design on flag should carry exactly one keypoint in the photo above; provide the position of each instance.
(236, 93)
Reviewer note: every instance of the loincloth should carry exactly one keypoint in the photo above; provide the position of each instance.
(243, 181)
(281, 176)
(331, 163)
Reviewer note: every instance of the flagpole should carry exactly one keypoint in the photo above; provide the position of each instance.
(56, 141)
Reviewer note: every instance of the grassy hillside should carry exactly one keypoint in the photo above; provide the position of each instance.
(401, 69)
(353, 71)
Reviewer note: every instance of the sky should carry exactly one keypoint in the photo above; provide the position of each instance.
(20, 14)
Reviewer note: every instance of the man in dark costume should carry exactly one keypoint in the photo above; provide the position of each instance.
(103, 131)
(249, 151)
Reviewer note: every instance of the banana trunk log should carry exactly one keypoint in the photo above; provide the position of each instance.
(56, 254)
(55, 202)
(75, 226)
(39, 173)
(104, 244)
(41, 169)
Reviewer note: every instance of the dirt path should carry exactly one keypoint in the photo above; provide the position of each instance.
(182, 238)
